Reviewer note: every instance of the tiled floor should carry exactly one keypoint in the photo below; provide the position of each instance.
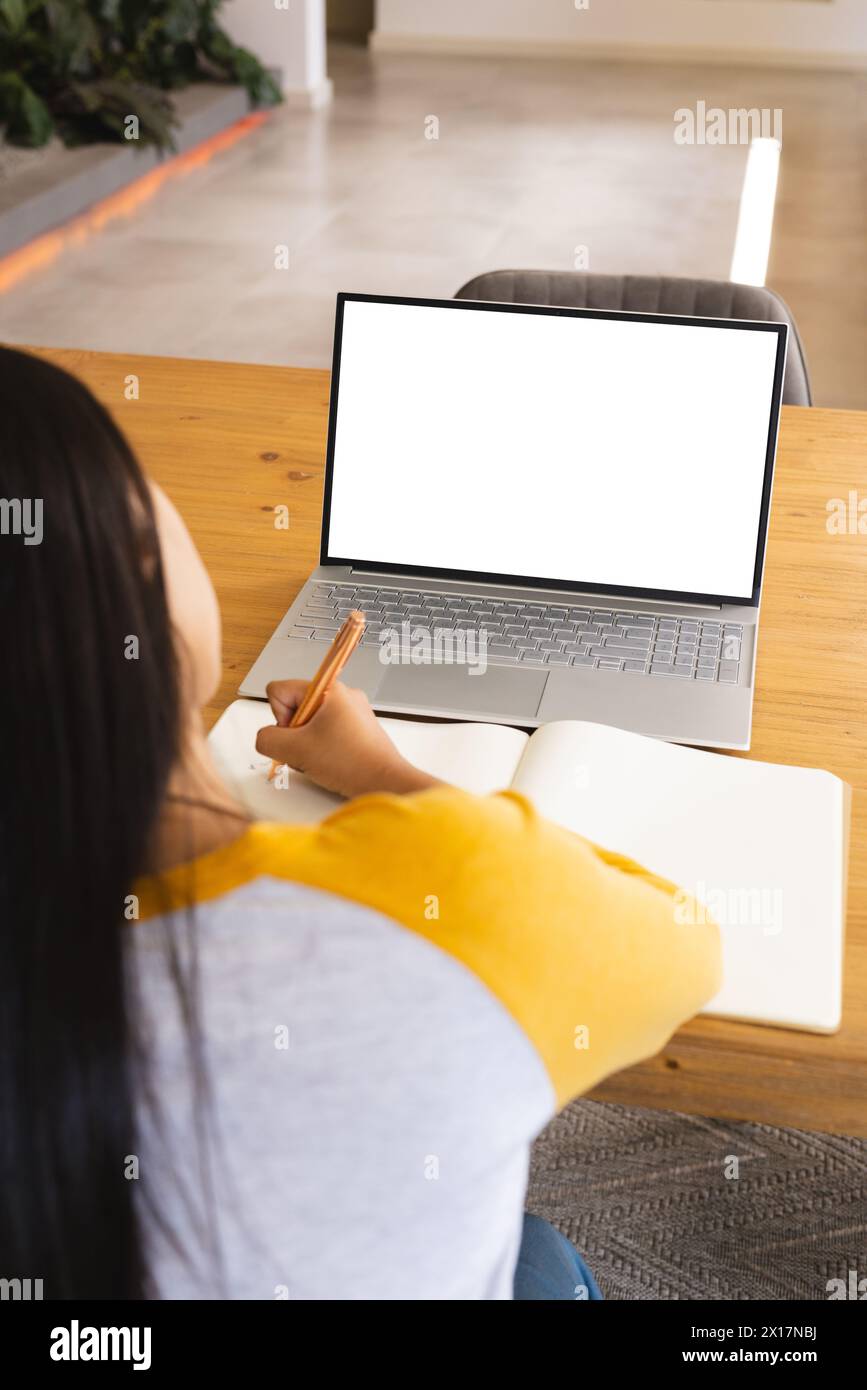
(534, 158)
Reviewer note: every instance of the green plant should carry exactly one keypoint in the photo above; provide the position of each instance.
(81, 68)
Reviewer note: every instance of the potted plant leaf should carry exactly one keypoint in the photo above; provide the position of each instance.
(78, 69)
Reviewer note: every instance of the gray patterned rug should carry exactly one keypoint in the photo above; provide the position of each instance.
(645, 1196)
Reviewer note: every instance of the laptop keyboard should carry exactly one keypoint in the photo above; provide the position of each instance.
(538, 634)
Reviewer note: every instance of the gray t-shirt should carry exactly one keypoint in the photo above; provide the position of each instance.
(372, 1107)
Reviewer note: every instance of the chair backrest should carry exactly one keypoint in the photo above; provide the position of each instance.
(650, 294)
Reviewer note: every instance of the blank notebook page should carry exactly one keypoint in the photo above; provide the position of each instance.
(480, 758)
(762, 844)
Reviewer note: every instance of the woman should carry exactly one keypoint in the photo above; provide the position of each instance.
(257, 1061)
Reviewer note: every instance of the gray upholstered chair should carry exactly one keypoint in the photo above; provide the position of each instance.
(650, 294)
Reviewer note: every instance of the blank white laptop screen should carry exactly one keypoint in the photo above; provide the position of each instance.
(586, 450)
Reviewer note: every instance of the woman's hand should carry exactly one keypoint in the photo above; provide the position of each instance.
(343, 748)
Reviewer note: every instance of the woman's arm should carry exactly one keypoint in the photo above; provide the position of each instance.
(587, 950)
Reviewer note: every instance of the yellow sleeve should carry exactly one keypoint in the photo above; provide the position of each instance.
(584, 948)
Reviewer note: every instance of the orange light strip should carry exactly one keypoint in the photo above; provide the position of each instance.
(45, 248)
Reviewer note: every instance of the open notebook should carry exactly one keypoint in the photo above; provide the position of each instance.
(762, 845)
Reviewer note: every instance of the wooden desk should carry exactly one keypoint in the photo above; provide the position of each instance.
(230, 443)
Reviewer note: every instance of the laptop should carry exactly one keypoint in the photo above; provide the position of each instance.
(544, 513)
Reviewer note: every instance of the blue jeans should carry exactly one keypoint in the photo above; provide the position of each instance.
(549, 1266)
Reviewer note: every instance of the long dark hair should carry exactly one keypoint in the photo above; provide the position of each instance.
(90, 728)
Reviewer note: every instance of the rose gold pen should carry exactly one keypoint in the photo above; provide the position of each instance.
(341, 649)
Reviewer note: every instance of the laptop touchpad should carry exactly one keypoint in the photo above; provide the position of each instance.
(503, 691)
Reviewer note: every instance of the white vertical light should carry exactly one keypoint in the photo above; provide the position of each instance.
(756, 218)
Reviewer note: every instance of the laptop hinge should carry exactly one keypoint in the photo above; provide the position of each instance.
(411, 580)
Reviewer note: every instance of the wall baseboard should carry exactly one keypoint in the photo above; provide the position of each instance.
(309, 98)
(583, 51)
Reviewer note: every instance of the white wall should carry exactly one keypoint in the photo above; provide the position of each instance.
(827, 32)
(292, 39)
